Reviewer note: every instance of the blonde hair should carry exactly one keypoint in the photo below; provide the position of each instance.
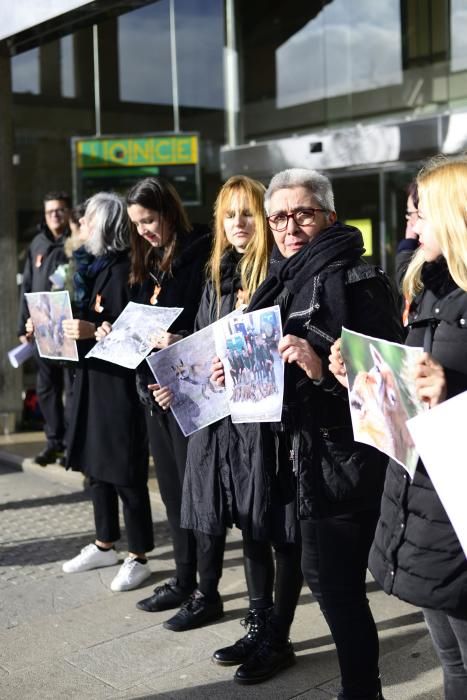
(254, 263)
(442, 191)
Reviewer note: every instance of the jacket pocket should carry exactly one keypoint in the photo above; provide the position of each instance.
(350, 470)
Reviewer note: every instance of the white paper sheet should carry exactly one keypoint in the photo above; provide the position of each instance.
(129, 341)
(439, 438)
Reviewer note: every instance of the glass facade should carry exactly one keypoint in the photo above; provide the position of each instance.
(326, 65)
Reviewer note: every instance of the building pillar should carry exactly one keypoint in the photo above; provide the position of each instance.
(10, 379)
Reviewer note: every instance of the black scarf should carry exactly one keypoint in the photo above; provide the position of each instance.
(328, 256)
(230, 272)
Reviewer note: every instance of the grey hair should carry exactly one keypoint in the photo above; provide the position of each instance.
(110, 224)
(312, 180)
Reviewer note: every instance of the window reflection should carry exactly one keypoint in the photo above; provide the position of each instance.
(200, 32)
(458, 35)
(25, 72)
(346, 48)
(144, 55)
(67, 67)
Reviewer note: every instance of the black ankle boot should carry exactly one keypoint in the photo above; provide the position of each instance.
(239, 652)
(273, 654)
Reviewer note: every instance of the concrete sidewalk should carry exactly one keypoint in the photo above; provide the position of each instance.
(70, 636)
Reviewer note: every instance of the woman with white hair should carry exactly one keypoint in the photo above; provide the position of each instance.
(107, 434)
(321, 283)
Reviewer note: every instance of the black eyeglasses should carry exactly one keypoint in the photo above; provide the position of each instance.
(302, 217)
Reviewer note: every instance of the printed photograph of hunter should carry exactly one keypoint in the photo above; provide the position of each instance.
(254, 376)
(185, 368)
(48, 310)
(382, 394)
(133, 334)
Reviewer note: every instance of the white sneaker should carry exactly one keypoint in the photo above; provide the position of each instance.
(130, 575)
(90, 557)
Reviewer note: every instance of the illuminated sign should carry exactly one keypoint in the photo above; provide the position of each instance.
(367, 232)
(117, 162)
(137, 152)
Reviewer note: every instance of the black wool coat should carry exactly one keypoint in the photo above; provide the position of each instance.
(416, 554)
(226, 479)
(107, 434)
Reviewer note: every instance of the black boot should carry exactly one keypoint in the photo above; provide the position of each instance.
(273, 654)
(239, 652)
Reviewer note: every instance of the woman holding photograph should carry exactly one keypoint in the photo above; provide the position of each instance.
(416, 554)
(332, 484)
(223, 486)
(168, 261)
(107, 436)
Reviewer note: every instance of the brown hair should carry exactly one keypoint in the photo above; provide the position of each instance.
(160, 196)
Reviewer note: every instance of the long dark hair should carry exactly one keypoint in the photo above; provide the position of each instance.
(159, 195)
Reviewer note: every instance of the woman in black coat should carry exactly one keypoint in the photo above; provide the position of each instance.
(416, 554)
(107, 435)
(222, 490)
(169, 258)
(318, 278)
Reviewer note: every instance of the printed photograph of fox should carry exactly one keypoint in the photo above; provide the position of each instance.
(382, 394)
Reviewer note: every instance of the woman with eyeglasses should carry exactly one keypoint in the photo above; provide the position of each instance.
(321, 283)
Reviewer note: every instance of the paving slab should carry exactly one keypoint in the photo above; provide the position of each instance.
(70, 636)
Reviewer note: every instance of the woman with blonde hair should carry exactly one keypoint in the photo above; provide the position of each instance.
(416, 554)
(223, 486)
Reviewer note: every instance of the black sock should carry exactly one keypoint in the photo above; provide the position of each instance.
(141, 560)
(104, 549)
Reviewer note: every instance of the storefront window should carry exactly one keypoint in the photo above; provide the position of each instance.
(325, 59)
(25, 72)
(67, 66)
(458, 35)
(144, 55)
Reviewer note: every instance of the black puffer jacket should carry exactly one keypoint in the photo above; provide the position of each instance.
(416, 554)
(44, 255)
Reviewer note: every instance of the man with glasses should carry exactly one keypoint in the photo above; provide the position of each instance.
(45, 254)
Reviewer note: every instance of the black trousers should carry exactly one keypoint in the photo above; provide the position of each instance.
(136, 514)
(52, 380)
(273, 584)
(193, 551)
(334, 562)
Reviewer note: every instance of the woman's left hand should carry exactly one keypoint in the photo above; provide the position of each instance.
(299, 350)
(430, 380)
(77, 329)
(164, 339)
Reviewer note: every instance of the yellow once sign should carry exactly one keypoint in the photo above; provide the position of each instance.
(137, 152)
